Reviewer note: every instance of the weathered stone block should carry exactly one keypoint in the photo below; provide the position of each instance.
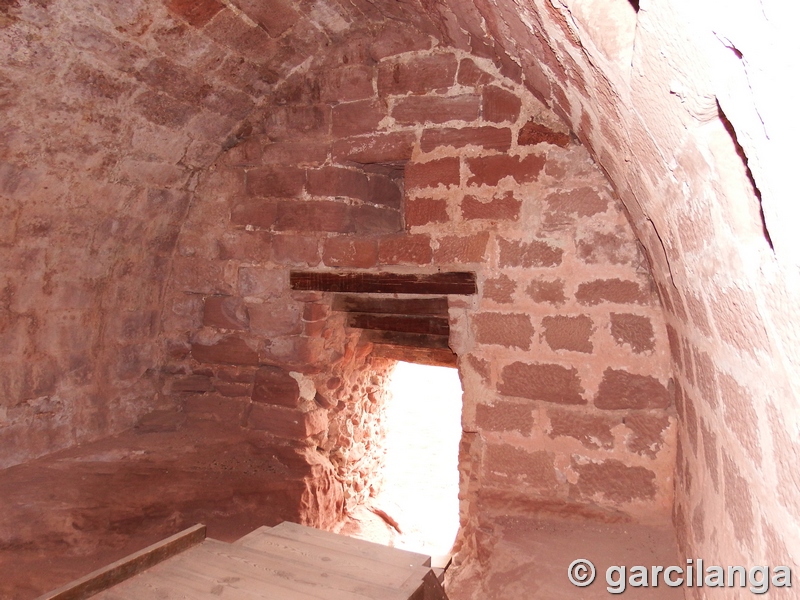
(275, 386)
(622, 390)
(546, 382)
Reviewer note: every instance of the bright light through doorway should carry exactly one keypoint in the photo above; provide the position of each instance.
(423, 423)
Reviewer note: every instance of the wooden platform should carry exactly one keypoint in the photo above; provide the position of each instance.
(286, 562)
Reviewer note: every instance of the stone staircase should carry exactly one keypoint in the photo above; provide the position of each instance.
(285, 562)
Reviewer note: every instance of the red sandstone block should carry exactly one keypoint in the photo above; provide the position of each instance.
(286, 423)
(287, 123)
(458, 249)
(255, 212)
(396, 39)
(500, 289)
(405, 250)
(436, 109)
(171, 78)
(213, 407)
(225, 312)
(615, 480)
(417, 76)
(622, 390)
(499, 208)
(295, 250)
(505, 416)
(244, 245)
(245, 154)
(195, 12)
(384, 191)
(316, 311)
(162, 110)
(610, 290)
(273, 318)
(305, 216)
(593, 431)
(374, 219)
(193, 384)
(356, 118)
(236, 374)
(533, 133)
(637, 332)
(491, 138)
(569, 333)
(301, 152)
(275, 181)
(275, 16)
(537, 253)
(347, 83)
(471, 74)
(376, 148)
(275, 386)
(421, 211)
(549, 292)
(509, 330)
(561, 208)
(231, 350)
(648, 433)
(153, 174)
(233, 390)
(443, 171)
(262, 282)
(512, 466)
(500, 105)
(547, 382)
(337, 181)
(359, 253)
(489, 170)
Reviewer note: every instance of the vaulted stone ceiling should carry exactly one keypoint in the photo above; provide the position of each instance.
(111, 110)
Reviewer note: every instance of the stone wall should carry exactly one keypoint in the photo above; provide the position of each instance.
(423, 161)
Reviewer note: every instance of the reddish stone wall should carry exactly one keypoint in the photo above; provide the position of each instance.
(435, 161)
(112, 109)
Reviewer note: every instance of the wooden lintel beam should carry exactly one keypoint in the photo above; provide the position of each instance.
(462, 283)
(440, 357)
(402, 323)
(436, 306)
(413, 340)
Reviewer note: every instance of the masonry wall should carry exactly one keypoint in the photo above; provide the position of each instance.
(424, 161)
(111, 110)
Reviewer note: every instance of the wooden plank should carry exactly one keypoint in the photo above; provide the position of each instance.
(274, 576)
(403, 323)
(129, 566)
(440, 357)
(413, 340)
(436, 306)
(348, 545)
(463, 283)
(357, 567)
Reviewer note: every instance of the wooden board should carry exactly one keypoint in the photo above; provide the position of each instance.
(440, 357)
(413, 340)
(463, 283)
(129, 566)
(403, 323)
(348, 545)
(436, 306)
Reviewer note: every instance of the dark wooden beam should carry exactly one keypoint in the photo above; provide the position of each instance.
(439, 357)
(404, 323)
(131, 565)
(413, 340)
(436, 306)
(462, 283)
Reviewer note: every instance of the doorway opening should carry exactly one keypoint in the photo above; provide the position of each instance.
(423, 431)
